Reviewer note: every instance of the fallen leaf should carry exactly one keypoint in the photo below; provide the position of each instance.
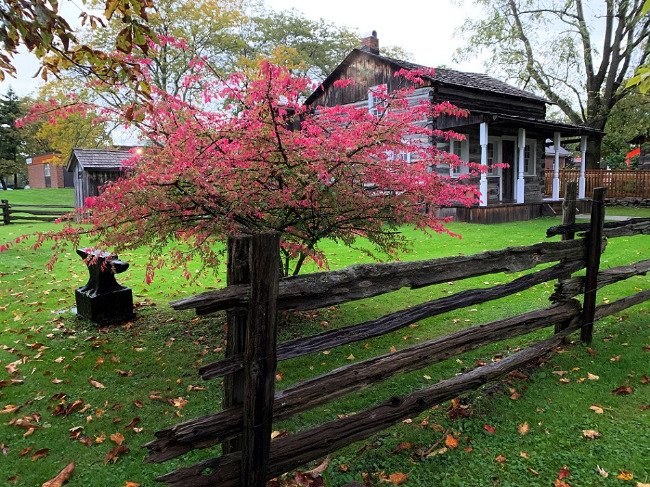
(596, 409)
(96, 384)
(350, 357)
(61, 478)
(615, 358)
(398, 478)
(451, 442)
(592, 376)
(131, 484)
(623, 475)
(591, 434)
(524, 454)
(25, 451)
(623, 390)
(565, 380)
(132, 424)
(114, 454)
(560, 372)
(523, 428)
(591, 351)
(117, 438)
(560, 483)
(563, 473)
(500, 459)
(489, 428)
(534, 472)
(405, 445)
(40, 454)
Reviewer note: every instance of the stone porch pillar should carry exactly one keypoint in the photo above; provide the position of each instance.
(483, 185)
(521, 140)
(556, 167)
(583, 161)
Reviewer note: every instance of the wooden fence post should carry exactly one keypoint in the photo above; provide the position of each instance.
(568, 218)
(233, 384)
(260, 359)
(5, 212)
(595, 243)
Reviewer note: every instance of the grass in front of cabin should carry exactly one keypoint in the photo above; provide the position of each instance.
(148, 370)
(49, 196)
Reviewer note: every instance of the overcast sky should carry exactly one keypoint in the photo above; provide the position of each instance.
(425, 29)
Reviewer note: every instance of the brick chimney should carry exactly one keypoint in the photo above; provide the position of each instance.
(370, 43)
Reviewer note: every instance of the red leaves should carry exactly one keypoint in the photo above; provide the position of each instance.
(489, 428)
(342, 171)
(43, 452)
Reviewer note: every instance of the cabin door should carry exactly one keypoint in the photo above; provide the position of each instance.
(508, 174)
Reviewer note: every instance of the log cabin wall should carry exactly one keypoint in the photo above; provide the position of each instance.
(366, 71)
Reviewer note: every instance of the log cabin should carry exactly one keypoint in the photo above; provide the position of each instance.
(506, 124)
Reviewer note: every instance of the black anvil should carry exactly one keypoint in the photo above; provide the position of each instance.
(102, 299)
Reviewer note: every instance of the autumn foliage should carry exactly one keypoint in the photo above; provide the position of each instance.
(248, 156)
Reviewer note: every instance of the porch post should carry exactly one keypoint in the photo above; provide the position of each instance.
(483, 185)
(556, 167)
(583, 161)
(522, 153)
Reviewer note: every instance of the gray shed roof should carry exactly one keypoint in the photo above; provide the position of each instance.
(97, 159)
(451, 77)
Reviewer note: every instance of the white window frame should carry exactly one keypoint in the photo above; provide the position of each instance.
(531, 146)
(372, 102)
(455, 171)
(47, 171)
(497, 156)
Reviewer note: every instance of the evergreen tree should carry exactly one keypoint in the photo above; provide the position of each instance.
(10, 138)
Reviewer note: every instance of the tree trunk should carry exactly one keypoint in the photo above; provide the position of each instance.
(3, 183)
(15, 180)
(593, 154)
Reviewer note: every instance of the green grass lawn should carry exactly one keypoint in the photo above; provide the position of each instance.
(148, 370)
(50, 196)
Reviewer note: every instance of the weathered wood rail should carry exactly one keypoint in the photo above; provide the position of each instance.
(255, 293)
(16, 213)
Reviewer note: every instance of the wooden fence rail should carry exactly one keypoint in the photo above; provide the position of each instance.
(16, 213)
(619, 184)
(255, 292)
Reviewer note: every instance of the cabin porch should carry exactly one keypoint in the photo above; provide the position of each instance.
(509, 212)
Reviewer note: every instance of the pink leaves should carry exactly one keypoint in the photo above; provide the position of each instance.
(243, 163)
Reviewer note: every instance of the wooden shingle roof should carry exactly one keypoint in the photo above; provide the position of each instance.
(98, 159)
(444, 76)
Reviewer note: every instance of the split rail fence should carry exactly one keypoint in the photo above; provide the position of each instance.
(255, 293)
(619, 183)
(14, 213)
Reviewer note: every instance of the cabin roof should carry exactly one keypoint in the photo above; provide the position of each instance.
(97, 159)
(443, 76)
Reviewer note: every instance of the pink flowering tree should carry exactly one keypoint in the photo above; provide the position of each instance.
(249, 156)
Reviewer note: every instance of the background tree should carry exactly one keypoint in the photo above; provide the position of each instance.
(551, 46)
(11, 162)
(242, 164)
(641, 78)
(630, 118)
(307, 47)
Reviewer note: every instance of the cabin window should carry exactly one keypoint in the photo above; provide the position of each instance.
(46, 170)
(459, 148)
(376, 104)
(529, 158)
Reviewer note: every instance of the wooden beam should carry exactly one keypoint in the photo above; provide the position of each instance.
(317, 290)
(213, 428)
(570, 288)
(594, 240)
(260, 359)
(395, 321)
(633, 226)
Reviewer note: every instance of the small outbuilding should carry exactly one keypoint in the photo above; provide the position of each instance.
(92, 169)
